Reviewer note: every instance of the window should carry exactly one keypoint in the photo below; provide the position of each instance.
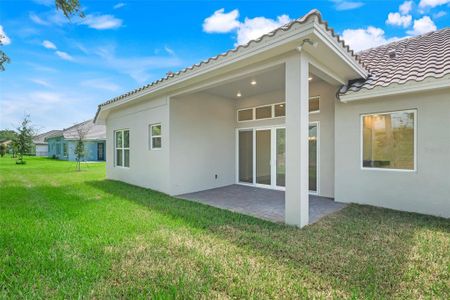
(155, 136)
(245, 114)
(388, 140)
(314, 104)
(263, 112)
(65, 149)
(280, 110)
(122, 148)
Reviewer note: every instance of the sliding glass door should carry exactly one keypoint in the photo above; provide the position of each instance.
(313, 158)
(246, 156)
(261, 156)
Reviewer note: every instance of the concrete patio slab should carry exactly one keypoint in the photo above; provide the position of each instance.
(259, 202)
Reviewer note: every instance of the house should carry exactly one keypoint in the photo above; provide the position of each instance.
(295, 110)
(40, 145)
(62, 143)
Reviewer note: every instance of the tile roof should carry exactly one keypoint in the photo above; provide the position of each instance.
(40, 138)
(410, 59)
(93, 131)
(286, 27)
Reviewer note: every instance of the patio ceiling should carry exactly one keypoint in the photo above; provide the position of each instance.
(269, 80)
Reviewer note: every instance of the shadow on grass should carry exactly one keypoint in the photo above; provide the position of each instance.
(361, 250)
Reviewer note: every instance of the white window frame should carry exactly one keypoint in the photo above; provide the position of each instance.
(152, 147)
(248, 108)
(122, 148)
(272, 111)
(414, 111)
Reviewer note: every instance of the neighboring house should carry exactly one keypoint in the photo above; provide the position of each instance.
(41, 146)
(295, 110)
(62, 144)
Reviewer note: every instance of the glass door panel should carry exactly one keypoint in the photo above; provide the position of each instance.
(281, 157)
(246, 156)
(313, 158)
(263, 156)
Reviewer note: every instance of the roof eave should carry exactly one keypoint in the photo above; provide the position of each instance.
(412, 86)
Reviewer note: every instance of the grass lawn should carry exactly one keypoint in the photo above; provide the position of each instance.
(68, 234)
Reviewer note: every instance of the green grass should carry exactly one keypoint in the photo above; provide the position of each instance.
(68, 234)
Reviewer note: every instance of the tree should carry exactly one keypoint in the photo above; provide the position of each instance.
(24, 139)
(2, 150)
(69, 9)
(82, 131)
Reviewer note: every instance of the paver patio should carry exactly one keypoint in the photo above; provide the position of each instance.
(259, 202)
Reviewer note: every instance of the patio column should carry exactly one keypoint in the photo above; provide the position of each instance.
(297, 128)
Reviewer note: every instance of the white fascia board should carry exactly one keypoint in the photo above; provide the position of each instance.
(398, 89)
(333, 44)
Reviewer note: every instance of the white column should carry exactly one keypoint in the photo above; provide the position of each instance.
(297, 128)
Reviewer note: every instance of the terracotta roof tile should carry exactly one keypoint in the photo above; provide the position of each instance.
(411, 59)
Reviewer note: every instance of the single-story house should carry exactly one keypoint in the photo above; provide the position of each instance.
(62, 143)
(295, 110)
(40, 144)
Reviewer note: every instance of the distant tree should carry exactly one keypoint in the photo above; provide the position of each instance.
(80, 151)
(23, 142)
(2, 150)
(7, 134)
(69, 9)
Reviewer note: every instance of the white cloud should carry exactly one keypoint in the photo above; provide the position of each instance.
(139, 68)
(101, 22)
(439, 14)
(64, 55)
(41, 82)
(423, 25)
(38, 20)
(4, 39)
(221, 22)
(101, 83)
(398, 20)
(169, 50)
(119, 5)
(346, 5)
(360, 39)
(406, 7)
(49, 45)
(254, 28)
(432, 3)
(251, 28)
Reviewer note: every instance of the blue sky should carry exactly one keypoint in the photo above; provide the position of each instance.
(61, 70)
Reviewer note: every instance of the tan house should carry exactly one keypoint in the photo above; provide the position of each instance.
(298, 111)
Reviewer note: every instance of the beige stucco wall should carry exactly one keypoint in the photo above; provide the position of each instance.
(202, 143)
(325, 118)
(428, 189)
(148, 168)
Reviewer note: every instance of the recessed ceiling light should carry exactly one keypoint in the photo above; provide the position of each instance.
(238, 94)
(310, 78)
(253, 82)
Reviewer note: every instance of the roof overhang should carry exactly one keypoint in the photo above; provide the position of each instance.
(393, 89)
(328, 54)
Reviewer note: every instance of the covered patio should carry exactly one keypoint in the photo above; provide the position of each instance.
(261, 202)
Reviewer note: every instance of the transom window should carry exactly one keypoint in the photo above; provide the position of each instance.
(270, 111)
(389, 140)
(122, 148)
(155, 136)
